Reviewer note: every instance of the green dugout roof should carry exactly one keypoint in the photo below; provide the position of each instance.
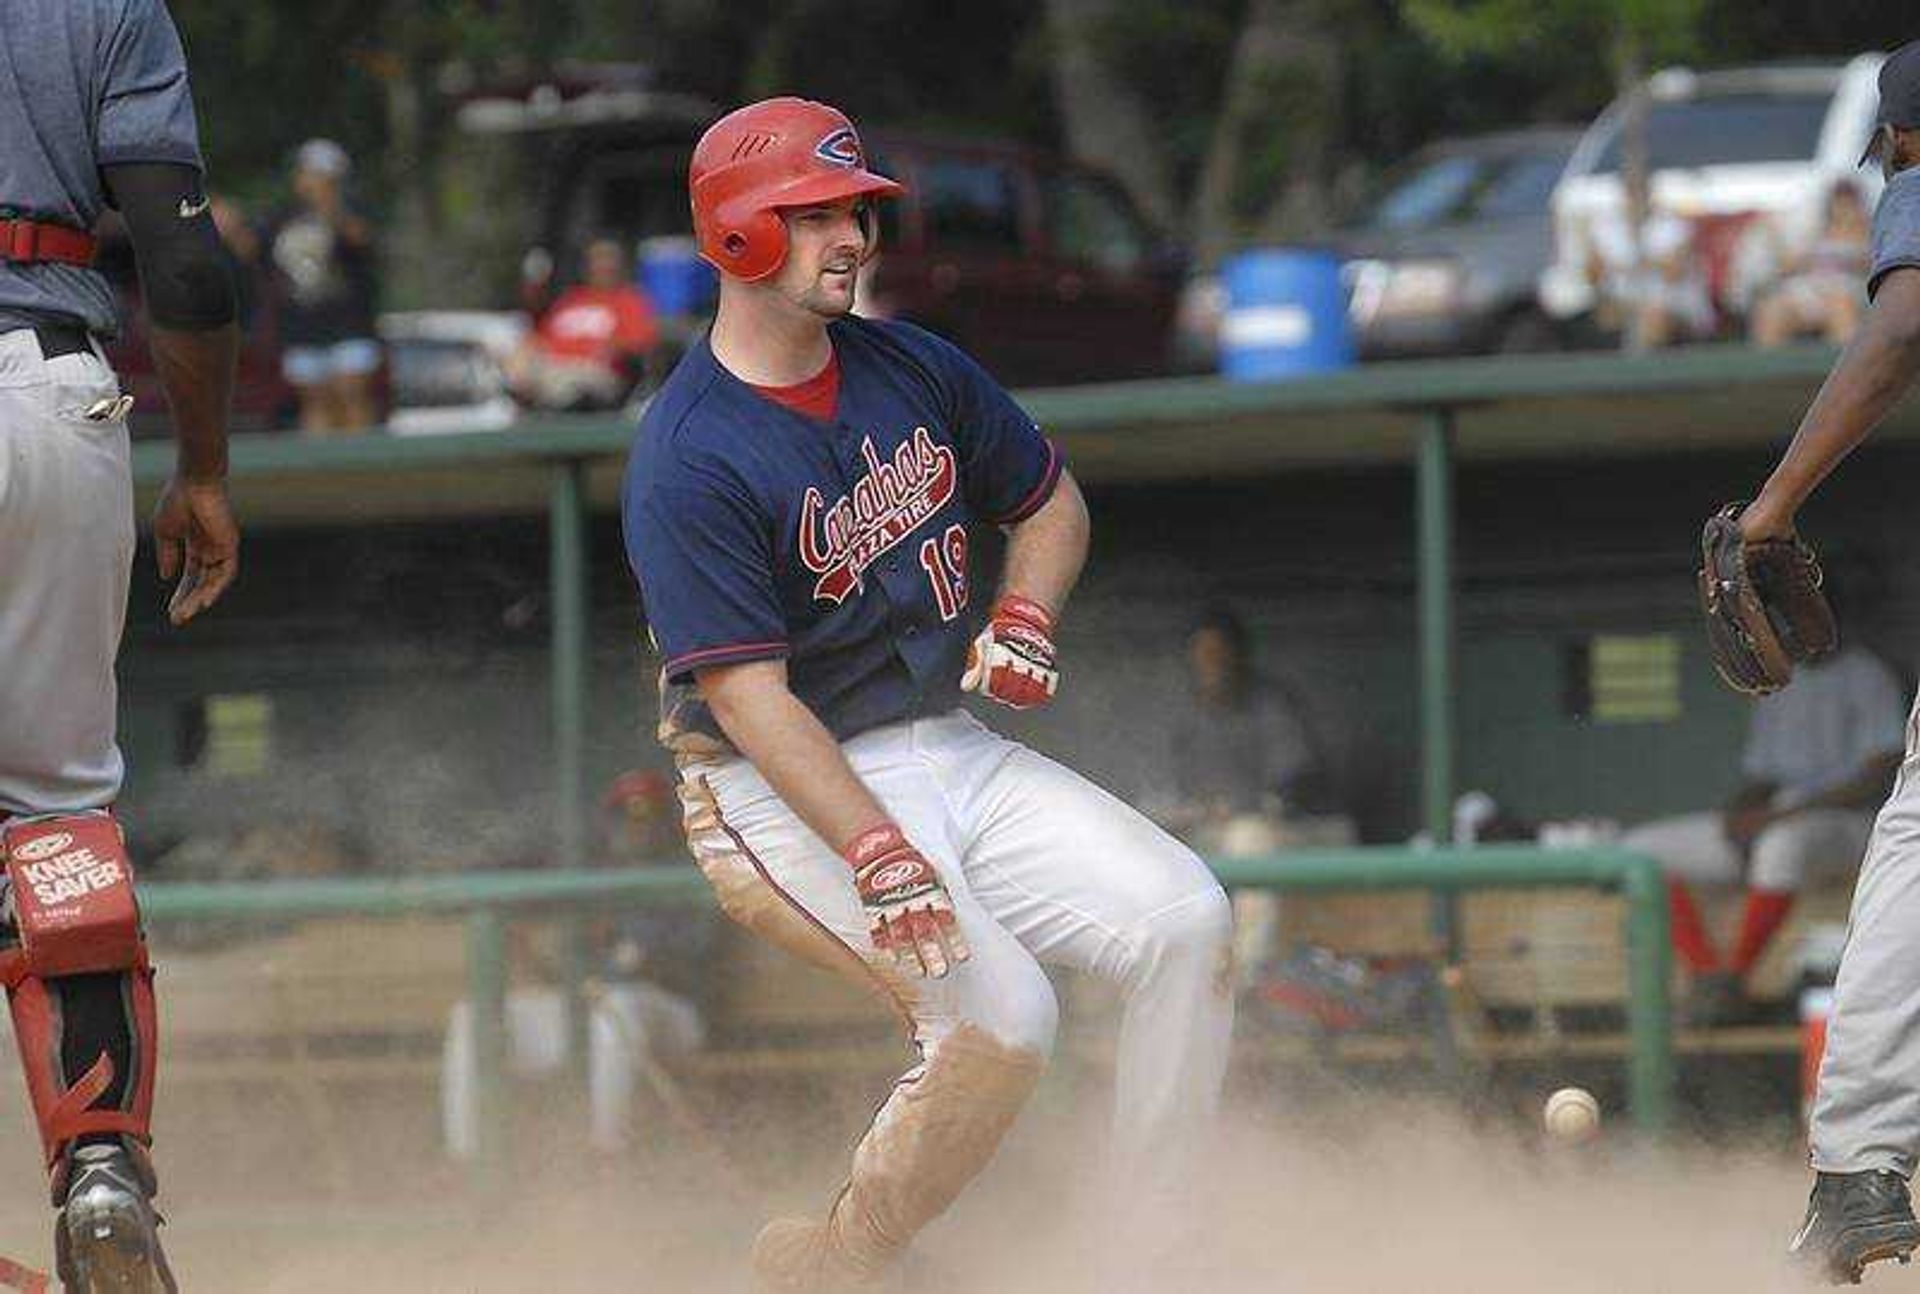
(1538, 407)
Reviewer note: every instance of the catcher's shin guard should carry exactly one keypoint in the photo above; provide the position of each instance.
(80, 988)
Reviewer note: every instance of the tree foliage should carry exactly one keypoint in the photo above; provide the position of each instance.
(1257, 115)
(1662, 29)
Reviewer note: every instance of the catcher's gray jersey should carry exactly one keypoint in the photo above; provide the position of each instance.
(83, 84)
(1896, 228)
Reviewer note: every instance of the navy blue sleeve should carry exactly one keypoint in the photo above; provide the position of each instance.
(1007, 467)
(146, 108)
(703, 554)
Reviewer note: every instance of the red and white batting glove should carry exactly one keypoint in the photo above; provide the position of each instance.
(1012, 658)
(911, 913)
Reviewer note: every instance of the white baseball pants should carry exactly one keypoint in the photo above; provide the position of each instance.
(1043, 867)
(1818, 844)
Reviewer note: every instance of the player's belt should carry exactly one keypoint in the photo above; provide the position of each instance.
(57, 340)
(39, 240)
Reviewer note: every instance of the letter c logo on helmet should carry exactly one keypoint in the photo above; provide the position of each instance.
(763, 158)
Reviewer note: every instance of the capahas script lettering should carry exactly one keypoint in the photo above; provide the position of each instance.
(839, 541)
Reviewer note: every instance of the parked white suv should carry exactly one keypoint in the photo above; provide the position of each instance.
(1741, 151)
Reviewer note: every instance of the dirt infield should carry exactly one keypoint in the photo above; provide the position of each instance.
(1362, 1194)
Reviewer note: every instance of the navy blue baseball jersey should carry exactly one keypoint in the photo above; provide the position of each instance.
(83, 84)
(757, 532)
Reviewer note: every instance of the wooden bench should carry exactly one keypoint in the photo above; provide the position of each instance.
(299, 1014)
(1534, 952)
(371, 996)
(337, 1004)
(322, 1007)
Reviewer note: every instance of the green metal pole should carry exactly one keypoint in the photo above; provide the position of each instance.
(567, 555)
(567, 524)
(487, 992)
(1649, 1014)
(1437, 674)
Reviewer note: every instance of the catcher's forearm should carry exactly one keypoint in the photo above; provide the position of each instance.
(1877, 368)
(197, 372)
(1046, 551)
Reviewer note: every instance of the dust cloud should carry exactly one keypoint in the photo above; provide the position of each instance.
(273, 1192)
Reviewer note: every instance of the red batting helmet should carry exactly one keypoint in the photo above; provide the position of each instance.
(754, 161)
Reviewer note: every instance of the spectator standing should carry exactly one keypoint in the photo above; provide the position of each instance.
(1822, 291)
(321, 253)
(591, 346)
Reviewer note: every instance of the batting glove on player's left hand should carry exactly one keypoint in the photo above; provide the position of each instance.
(1012, 658)
(910, 910)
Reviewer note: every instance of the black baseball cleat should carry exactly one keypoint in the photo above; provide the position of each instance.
(1854, 1219)
(107, 1237)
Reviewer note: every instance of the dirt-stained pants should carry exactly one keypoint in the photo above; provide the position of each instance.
(1043, 866)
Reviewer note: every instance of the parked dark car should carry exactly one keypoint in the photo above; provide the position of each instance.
(1041, 268)
(1448, 259)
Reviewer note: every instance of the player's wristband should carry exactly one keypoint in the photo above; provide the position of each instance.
(874, 842)
(1012, 606)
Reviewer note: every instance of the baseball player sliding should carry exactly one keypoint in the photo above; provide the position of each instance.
(94, 112)
(1866, 1118)
(798, 510)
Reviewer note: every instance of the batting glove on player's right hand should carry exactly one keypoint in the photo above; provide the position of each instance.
(1012, 658)
(911, 913)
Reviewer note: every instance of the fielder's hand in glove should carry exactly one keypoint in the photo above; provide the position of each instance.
(1763, 605)
(911, 914)
(1012, 658)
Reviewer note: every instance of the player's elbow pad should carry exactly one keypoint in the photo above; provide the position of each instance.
(183, 270)
(190, 293)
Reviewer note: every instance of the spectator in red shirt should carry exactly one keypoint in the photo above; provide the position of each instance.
(590, 346)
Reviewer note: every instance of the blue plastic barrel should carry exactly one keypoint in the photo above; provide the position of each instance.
(1286, 315)
(674, 277)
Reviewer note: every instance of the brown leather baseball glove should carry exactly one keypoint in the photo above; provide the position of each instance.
(1764, 608)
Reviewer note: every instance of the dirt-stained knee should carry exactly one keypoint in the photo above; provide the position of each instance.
(938, 1130)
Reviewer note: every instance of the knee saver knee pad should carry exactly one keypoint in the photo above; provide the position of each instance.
(70, 888)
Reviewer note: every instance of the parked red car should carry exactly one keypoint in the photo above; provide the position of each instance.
(1043, 269)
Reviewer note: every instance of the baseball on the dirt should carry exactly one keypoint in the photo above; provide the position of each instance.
(1572, 1115)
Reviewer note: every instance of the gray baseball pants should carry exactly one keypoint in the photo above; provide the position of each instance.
(1867, 1112)
(66, 552)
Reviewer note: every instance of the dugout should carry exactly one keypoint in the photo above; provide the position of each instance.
(434, 640)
